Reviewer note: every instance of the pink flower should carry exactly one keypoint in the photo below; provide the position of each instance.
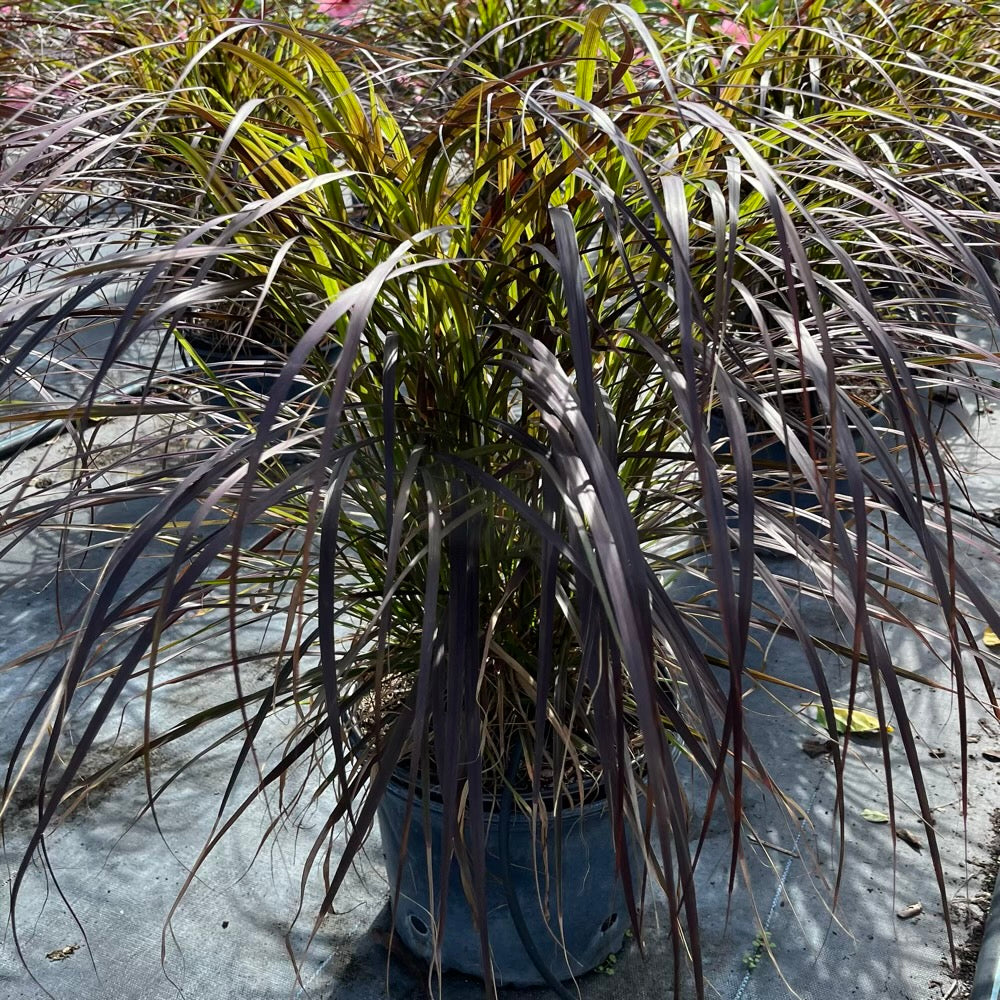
(741, 37)
(17, 97)
(346, 11)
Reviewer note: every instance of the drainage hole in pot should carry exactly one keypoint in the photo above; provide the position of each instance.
(418, 925)
(607, 925)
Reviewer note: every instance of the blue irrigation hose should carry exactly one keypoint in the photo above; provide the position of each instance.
(38, 433)
(27, 436)
(42, 431)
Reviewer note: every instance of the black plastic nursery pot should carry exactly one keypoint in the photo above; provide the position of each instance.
(986, 984)
(247, 375)
(771, 453)
(579, 931)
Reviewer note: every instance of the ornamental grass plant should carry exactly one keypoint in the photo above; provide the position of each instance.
(530, 284)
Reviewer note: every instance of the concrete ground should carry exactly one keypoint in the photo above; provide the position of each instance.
(118, 871)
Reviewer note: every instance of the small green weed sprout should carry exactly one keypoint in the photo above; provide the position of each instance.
(761, 943)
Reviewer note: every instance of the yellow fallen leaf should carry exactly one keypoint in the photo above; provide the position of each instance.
(874, 816)
(861, 722)
(990, 638)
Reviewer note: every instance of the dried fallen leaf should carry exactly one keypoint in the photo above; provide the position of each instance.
(62, 953)
(861, 722)
(993, 755)
(816, 748)
(908, 837)
(911, 911)
(874, 816)
(990, 638)
(937, 753)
